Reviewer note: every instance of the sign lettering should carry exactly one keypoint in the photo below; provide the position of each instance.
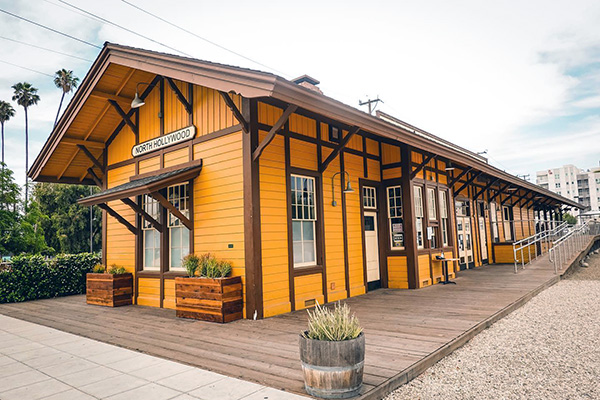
(161, 142)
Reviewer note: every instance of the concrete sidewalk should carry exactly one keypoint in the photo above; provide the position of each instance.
(37, 362)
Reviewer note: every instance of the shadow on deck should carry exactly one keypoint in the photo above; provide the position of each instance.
(406, 330)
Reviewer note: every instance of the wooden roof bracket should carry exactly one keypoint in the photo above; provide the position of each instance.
(236, 111)
(180, 96)
(271, 135)
(89, 155)
(467, 183)
(426, 161)
(508, 198)
(499, 191)
(524, 197)
(126, 117)
(118, 217)
(353, 131)
(169, 206)
(454, 180)
(97, 180)
(139, 210)
(489, 185)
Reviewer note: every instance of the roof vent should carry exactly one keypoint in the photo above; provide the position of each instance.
(308, 82)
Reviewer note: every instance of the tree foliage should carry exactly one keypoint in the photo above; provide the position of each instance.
(571, 220)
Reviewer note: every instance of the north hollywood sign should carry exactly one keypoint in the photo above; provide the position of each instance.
(161, 142)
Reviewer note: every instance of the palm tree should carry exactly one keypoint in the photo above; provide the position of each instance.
(6, 113)
(25, 96)
(66, 81)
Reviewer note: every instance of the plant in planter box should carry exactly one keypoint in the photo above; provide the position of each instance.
(111, 287)
(332, 352)
(211, 296)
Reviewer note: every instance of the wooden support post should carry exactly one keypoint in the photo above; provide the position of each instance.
(236, 112)
(169, 206)
(278, 125)
(118, 217)
(139, 210)
(426, 161)
(126, 118)
(91, 157)
(353, 131)
(410, 233)
(180, 96)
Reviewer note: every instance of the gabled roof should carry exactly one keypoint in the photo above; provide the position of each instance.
(247, 83)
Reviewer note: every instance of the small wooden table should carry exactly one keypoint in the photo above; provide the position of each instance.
(445, 269)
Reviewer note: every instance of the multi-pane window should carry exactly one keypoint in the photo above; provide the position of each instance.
(151, 236)
(444, 217)
(431, 211)
(369, 197)
(304, 216)
(394, 202)
(418, 191)
(179, 234)
(494, 221)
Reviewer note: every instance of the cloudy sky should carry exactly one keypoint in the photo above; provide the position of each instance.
(516, 78)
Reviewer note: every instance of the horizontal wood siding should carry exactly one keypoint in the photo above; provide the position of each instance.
(149, 292)
(305, 288)
(397, 272)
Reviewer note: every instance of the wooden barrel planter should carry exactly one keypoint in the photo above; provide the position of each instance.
(109, 290)
(333, 370)
(209, 299)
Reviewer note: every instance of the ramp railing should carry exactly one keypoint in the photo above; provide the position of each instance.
(568, 245)
(537, 244)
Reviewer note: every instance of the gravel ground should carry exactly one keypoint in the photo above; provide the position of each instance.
(547, 349)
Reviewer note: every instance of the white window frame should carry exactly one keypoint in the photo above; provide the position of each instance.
(431, 210)
(182, 203)
(494, 222)
(393, 214)
(419, 216)
(444, 220)
(310, 210)
(152, 207)
(369, 198)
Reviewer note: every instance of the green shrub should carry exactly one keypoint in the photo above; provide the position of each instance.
(36, 277)
(99, 269)
(211, 267)
(191, 263)
(116, 270)
(332, 324)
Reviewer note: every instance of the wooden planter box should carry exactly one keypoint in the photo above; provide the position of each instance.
(109, 290)
(215, 300)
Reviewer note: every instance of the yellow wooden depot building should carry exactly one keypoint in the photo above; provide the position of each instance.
(310, 199)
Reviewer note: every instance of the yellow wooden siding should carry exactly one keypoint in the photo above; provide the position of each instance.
(424, 271)
(373, 170)
(303, 155)
(219, 201)
(149, 292)
(268, 114)
(274, 228)
(303, 125)
(177, 157)
(149, 165)
(355, 142)
(334, 235)
(149, 123)
(169, 294)
(354, 166)
(436, 267)
(120, 148)
(308, 288)
(120, 242)
(372, 147)
(211, 114)
(389, 154)
(392, 173)
(397, 272)
(176, 117)
(504, 254)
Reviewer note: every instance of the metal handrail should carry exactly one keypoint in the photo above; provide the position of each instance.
(573, 242)
(543, 237)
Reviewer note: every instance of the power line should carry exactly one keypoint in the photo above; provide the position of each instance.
(50, 29)
(125, 29)
(200, 37)
(29, 69)
(44, 48)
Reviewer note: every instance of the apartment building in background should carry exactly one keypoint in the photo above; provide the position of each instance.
(574, 183)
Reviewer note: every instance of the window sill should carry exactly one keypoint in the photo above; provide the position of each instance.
(308, 270)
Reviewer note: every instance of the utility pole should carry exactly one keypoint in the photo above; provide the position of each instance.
(91, 224)
(525, 177)
(370, 103)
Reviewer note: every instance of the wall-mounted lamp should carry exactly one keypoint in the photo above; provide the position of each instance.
(348, 188)
(137, 102)
(449, 166)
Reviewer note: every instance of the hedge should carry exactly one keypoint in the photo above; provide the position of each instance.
(34, 277)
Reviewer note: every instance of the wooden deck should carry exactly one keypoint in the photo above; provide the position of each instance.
(406, 330)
